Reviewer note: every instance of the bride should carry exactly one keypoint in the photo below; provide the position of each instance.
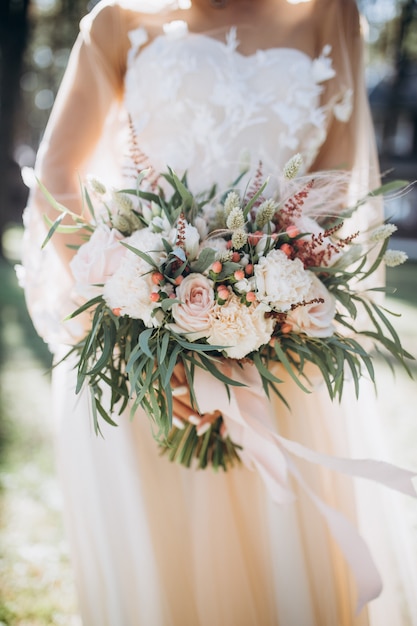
(210, 86)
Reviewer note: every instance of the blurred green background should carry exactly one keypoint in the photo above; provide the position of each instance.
(35, 39)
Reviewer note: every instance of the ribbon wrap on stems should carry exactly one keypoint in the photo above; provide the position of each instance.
(247, 416)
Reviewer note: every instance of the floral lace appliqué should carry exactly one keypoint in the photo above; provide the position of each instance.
(197, 103)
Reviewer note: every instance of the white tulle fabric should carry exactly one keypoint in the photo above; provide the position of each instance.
(157, 545)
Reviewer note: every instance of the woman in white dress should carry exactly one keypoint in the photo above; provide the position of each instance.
(207, 84)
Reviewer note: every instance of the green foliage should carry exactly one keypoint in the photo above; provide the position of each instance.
(136, 362)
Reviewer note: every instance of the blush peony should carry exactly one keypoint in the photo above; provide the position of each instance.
(316, 319)
(280, 281)
(97, 260)
(192, 314)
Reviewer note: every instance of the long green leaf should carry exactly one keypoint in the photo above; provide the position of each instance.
(252, 201)
(284, 360)
(144, 338)
(142, 255)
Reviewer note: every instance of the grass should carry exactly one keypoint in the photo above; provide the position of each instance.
(35, 574)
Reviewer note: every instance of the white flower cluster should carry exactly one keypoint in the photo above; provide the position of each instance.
(392, 258)
(278, 284)
(129, 289)
(382, 232)
(281, 282)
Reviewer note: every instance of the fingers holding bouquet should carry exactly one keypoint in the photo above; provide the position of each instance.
(195, 436)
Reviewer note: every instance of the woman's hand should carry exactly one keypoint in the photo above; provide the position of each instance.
(183, 411)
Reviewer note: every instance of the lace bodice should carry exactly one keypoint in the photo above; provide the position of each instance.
(200, 105)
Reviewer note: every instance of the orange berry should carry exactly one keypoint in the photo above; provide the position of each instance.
(235, 257)
(157, 278)
(251, 296)
(292, 230)
(287, 249)
(179, 280)
(286, 328)
(116, 312)
(239, 274)
(249, 269)
(217, 267)
(155, 297)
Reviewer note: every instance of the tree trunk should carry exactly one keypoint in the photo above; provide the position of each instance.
(13, 37)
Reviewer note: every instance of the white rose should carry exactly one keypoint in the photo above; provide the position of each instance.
(240, 329)
(245, 285)
(192, 314)
(280, 281)
(261, 245)
(160, 224)
(316, 319)
(130, 288)
(192, 240)
(97, 260)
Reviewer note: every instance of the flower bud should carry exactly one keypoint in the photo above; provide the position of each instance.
(292, 167)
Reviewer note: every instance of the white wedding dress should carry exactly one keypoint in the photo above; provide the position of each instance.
(155, 544)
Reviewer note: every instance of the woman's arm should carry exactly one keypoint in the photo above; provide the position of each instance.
(350, 142)
(92, 82)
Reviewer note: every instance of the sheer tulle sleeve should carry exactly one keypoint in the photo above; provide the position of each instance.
(87, 102)
(350, 140)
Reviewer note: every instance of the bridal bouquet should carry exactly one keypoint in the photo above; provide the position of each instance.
(174, 281)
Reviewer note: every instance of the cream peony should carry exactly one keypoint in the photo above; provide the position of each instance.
(315, 320)
(192, 314)
(130, 288)
(280, 281)
(240, 329)
(97, 260)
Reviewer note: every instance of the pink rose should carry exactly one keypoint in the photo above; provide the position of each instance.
(316, 319)
(97, 260)
(192, 314)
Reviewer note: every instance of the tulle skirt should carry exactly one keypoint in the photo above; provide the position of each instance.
(155, 544)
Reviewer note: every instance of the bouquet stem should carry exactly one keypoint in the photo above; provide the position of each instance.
(185, 445)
